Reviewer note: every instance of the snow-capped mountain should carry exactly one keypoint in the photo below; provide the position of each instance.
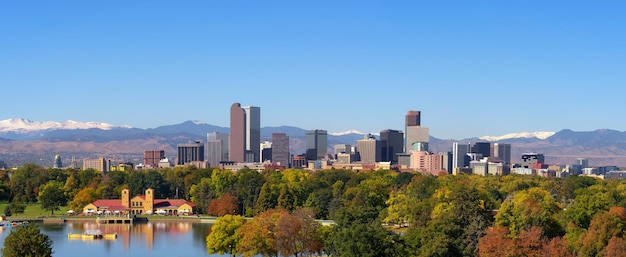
(19, 125)
(539, 134)
(347, 132)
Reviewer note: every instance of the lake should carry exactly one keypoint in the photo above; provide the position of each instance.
(168, 238)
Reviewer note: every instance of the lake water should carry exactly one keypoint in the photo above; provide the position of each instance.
(169, 239)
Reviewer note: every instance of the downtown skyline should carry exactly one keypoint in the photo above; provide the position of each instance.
(533, 66)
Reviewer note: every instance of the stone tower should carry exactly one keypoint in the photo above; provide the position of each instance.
(126, 198)
(149, 204)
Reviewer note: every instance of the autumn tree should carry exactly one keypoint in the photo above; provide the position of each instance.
(498, 242)
(528, 208)
(602, 228)
(615, 248)
(83, 197)
(225, 204)
(258, 235)
(223, 237)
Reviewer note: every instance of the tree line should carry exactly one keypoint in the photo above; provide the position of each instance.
(377, 213)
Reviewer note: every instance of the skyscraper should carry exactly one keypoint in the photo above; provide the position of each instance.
(416, 136)
(502, 152)
(217, 148)
(280, 149)
(151, 158)
(368, 149)
(245, 133)
(391, 143)
(459, 151)
(412, 118)
(190, 152)
(316, 144)
(483, 148)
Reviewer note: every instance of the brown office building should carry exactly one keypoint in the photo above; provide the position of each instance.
(412, 118)
(151, 158)
(245, 133)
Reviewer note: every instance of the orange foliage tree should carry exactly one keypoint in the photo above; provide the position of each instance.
(497, 242)
(226, 204)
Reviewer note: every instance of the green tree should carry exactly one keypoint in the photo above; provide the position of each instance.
(359, 233)
(52, 196)
(7, 211)
(222, 181)
(248, 187)
(268, 198)
(17, 207)
(27, 241)
(223, 237)
(201, 194)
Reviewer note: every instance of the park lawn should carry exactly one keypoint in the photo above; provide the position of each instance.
(34, 210)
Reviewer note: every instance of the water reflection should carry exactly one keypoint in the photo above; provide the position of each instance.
(140, 239)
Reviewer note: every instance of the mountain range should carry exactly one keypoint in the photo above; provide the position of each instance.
(23, 141)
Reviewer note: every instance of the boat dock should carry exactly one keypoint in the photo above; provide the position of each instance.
(114, 220)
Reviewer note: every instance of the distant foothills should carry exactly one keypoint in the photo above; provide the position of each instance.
(24, 141)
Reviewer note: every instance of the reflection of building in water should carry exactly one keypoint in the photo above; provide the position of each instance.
(141, 204)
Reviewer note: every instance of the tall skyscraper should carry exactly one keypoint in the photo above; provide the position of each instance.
(190, 152)
(391, 143)
(245, 133)
(412, 118)
(368, 149)
(151, 158)
(316, 144)
(416, 136)
(483, 148)
(459, 151)
(280, 149)
(502, 152)
(217, 148)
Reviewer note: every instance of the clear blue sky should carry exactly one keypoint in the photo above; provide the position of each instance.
(473, 68)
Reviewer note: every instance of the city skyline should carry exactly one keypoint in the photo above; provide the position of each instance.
(535, 65)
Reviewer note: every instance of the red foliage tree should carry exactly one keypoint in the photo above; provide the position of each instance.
(226, 204)
(615, 248)
(495, 243)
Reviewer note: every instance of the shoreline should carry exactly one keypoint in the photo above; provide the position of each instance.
(139, 219)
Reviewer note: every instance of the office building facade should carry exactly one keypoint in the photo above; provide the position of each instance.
(266, 151)
(190, 152)
(280, 149)
(459, 151)
(245, 133)
(151, 158)
(217, 148)
(368, 150)
(316, 144)
(392, 144)
(502, 152)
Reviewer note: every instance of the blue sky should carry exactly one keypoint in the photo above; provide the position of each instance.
(473, 68)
